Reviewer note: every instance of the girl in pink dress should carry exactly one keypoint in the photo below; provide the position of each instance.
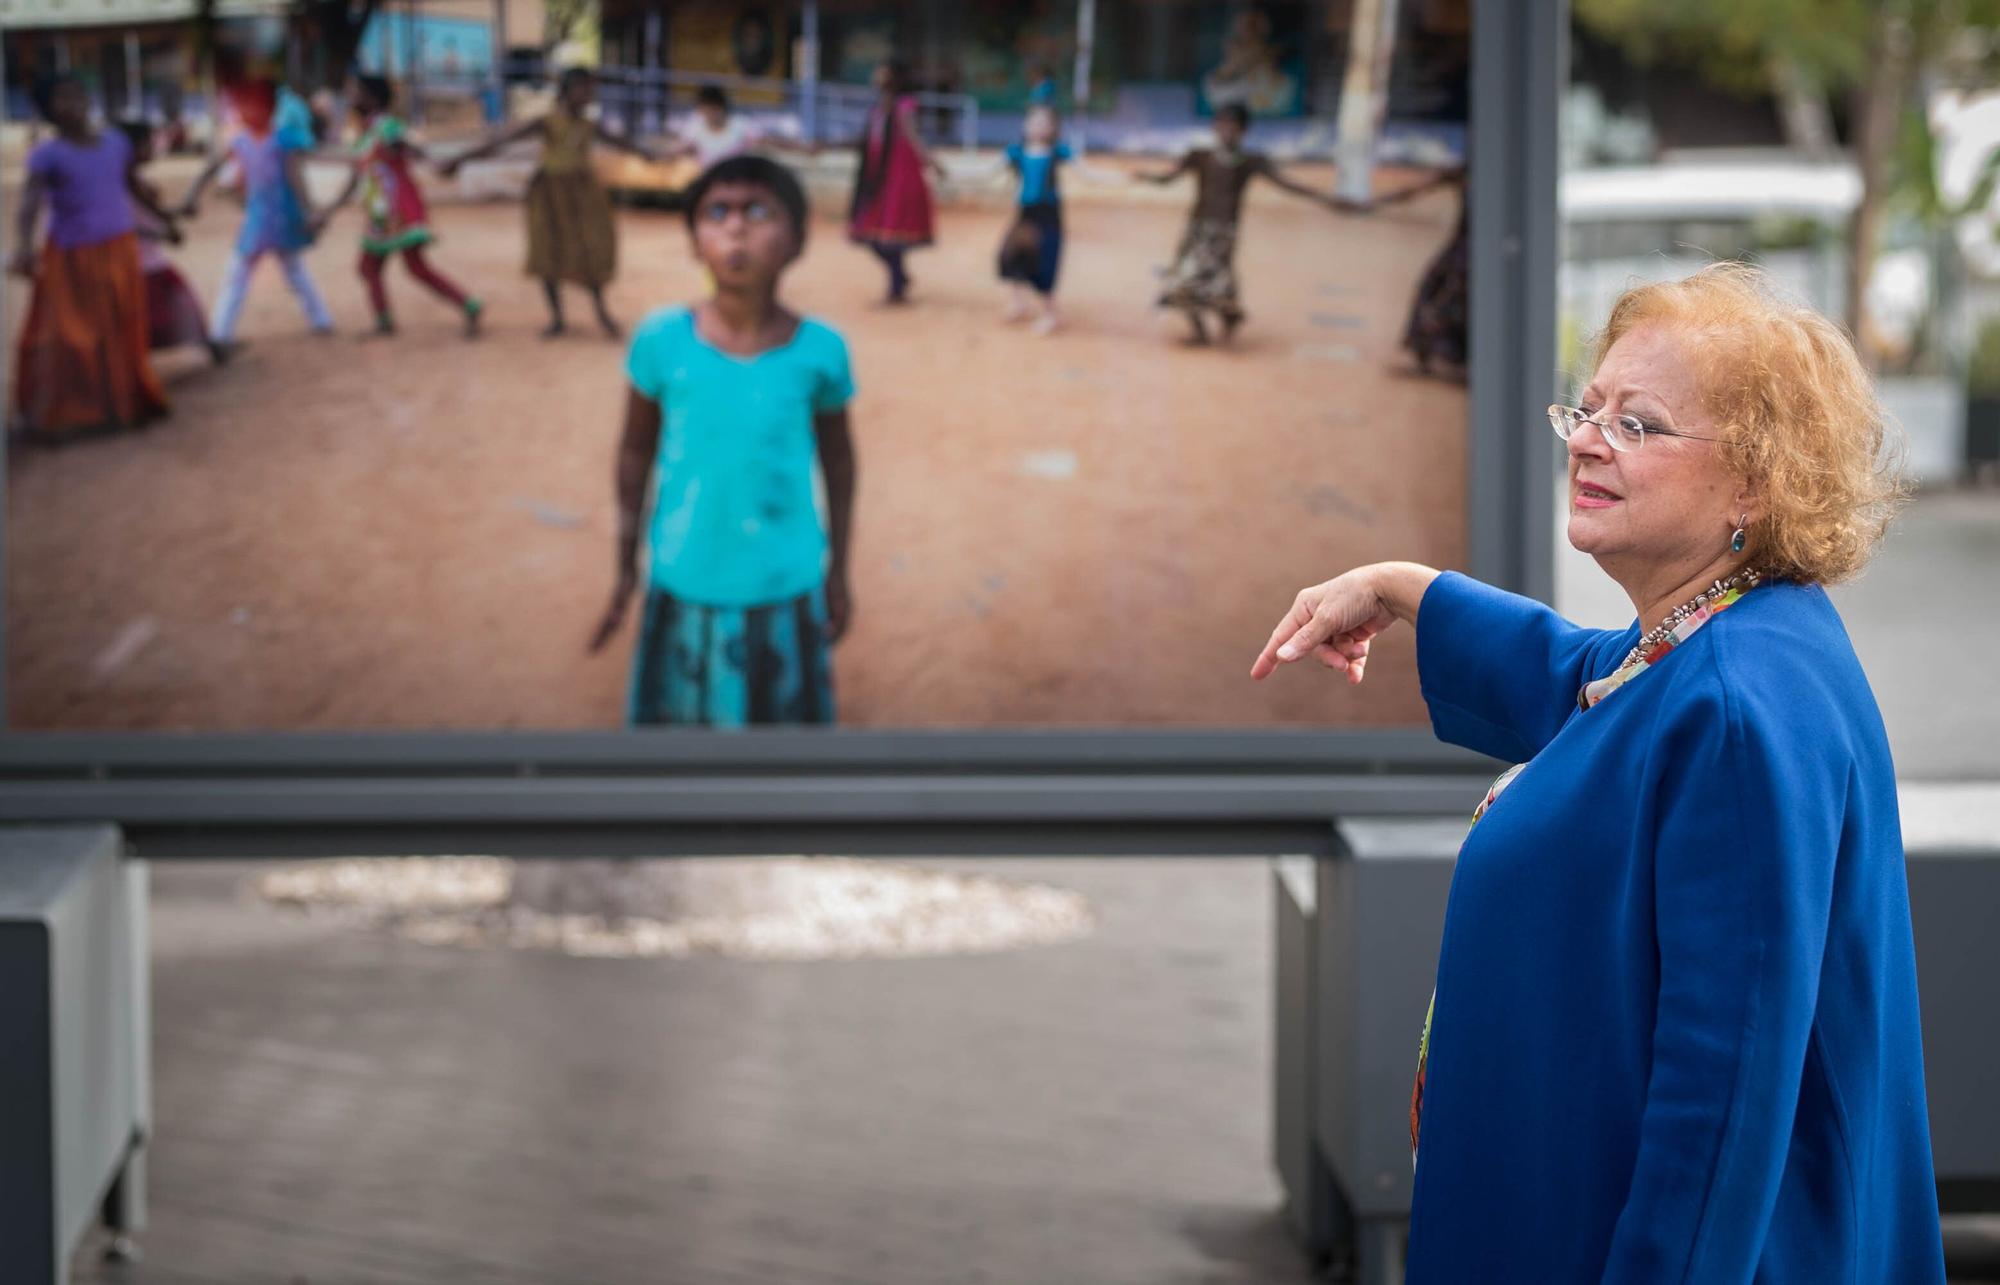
(892, 199)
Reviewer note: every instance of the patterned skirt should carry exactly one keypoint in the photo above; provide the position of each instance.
(570, 233)
(702, 666)
(1204, 271)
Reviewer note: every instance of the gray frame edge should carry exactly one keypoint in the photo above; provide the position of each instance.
(1520, 51)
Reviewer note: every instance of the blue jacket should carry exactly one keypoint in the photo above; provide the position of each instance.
(1676, 1033)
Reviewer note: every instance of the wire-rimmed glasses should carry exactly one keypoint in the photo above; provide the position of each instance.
(1620, 432)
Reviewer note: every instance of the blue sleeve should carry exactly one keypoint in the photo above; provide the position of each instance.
(294, 124)
(836, 387)
(1064, 152)
(1750, 814)
(1500, 672)
(648, 360)
(1015, 154)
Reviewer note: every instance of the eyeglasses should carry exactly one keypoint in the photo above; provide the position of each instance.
(755, 210)
(1620, 432)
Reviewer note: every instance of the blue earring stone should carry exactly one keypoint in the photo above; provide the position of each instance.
(1736, 541)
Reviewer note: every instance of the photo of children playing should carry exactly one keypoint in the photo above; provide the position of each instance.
(785, 479)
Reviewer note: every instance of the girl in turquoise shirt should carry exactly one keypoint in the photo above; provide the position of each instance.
(733, 403)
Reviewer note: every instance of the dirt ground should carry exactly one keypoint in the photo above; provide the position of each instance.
(1095, 528)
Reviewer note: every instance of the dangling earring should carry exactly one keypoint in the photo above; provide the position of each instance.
(1738, 538)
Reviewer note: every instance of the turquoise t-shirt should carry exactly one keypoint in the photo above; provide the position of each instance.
(1037, 169)
(735, 521)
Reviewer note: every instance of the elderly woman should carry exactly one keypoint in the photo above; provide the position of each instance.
(1675, 1032)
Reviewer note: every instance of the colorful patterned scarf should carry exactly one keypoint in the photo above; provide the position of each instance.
(1637, 665)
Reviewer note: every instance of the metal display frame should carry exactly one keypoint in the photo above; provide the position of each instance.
(830, 790)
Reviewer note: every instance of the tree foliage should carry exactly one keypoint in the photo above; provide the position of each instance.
(1886, 55)
(1734, 42)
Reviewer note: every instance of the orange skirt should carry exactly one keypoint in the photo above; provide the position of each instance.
(84, 360)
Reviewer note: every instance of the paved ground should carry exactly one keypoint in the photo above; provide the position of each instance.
(342, 1106)
(338, 1105)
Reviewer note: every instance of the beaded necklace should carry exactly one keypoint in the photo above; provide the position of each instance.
(1677, 628)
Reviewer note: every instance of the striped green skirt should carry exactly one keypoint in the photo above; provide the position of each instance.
(702, 666)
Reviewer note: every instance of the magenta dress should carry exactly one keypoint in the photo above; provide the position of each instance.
(892, 198)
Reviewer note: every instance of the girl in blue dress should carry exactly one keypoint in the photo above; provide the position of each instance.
(269, 152)
(1031, 252)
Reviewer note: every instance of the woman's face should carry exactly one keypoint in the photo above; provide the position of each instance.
(1040, 127)
(1671, 503)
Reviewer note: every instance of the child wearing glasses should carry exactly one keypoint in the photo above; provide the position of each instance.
(735, 405)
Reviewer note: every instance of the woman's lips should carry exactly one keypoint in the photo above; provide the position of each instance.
(1589, 495)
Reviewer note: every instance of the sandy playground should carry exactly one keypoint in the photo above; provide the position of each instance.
(1095, 528)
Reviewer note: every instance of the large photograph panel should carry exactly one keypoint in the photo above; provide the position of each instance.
(1066, 512)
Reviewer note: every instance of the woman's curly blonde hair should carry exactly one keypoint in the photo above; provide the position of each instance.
(1804, 425)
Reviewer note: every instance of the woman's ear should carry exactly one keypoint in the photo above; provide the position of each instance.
(1749, 500)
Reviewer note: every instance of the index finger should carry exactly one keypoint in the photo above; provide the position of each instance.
(1288, 632)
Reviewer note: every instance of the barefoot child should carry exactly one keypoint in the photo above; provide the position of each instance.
(1031, 252)
(173, 310)
(732, 403)
(1203, 277)
(83, 361)
(277, 217)
(570, 232)
(398, 221)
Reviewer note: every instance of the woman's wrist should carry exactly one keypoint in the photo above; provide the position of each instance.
(1400, 587)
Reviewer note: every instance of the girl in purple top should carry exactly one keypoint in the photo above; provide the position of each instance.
(83, 359)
